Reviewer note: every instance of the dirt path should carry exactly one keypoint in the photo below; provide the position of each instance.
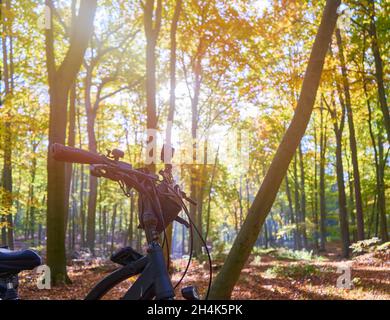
(370, 280)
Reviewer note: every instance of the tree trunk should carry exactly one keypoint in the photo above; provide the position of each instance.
(172, 105)
(60, 81)
(92, 196)
(105, 229)
(379, 71)
(32, 206)
(131, 222)
(303, 197)
(71, 143)
(152, 24)
(243, 244)
(315, 194)
(323, 140)
(290, 206)
(7, 232)
(352, 141)
(209, 196)
(297, 206)
(113, 221)
(342, 197)
(381, 190)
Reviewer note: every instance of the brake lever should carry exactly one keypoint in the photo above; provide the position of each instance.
(96, 171)
(103, 171)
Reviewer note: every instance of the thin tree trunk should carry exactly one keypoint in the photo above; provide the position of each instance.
(297, 206)
(209, 196)
(381, 190)
(323, 140)
(291, 209)
(303, 197)
(7, 232)
(315, 195)
(105, 229)
(131, 223)
(172, 106)
(342, 199)
(71, 143)
(352, 141)
(113, 221)
(91, 112)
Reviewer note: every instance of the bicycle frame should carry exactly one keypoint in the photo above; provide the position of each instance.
(154, 280)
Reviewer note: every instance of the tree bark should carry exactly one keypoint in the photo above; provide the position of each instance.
(290, 206)
(152, 24)
(7, 232)
(342, 199)
(379, 71)
(297, 206)
(323, 140)
(303, 197)
(352, 140)
(60, 81)
(172, 104)
(315, 195)
(381, 190)
(243, 244)
(71, 143)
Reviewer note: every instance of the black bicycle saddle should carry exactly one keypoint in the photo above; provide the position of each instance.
(16, 261)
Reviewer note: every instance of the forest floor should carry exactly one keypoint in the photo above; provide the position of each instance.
(269, 275)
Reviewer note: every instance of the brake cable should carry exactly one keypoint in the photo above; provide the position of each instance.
(189, 258)
(208, 255)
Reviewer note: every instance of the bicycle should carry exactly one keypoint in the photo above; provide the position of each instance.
(159, 202)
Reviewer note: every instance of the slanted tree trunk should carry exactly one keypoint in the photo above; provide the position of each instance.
(243, 244)
(352, 140)
(60, 80)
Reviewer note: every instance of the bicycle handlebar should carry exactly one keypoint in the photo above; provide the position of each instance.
(69, 154)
